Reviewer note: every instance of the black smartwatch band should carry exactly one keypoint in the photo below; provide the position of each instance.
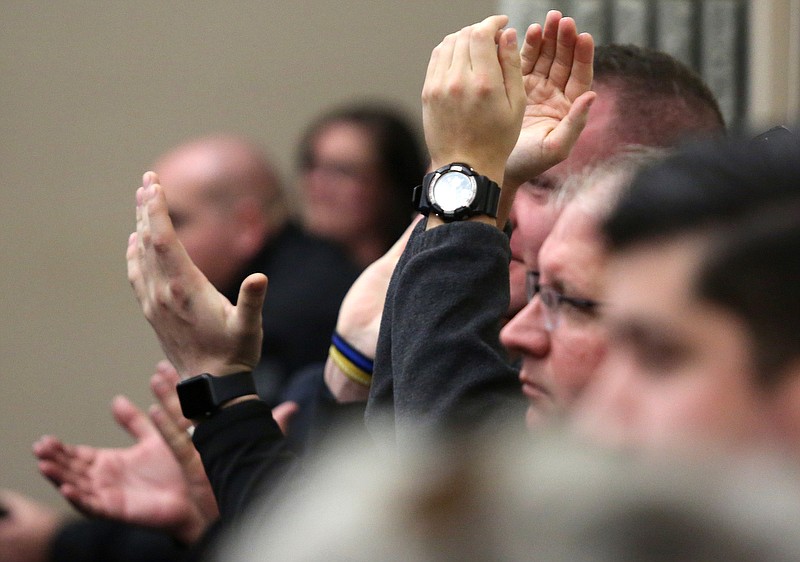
(203, 395)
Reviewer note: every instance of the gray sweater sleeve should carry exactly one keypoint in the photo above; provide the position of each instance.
(439, 360)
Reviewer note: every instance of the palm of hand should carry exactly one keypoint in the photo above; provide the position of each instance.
(141, 484)
(545, 110)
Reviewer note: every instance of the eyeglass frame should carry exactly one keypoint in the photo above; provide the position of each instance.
(552, 299)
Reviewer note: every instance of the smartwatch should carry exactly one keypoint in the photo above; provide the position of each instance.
(456, 192)
(203, 395)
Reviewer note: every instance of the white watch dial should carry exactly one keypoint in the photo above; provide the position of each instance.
(453, 190)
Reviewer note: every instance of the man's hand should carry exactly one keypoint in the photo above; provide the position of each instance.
(142, 484)
(557, 73)
(198, 328)
(360, 318)
(473, 98)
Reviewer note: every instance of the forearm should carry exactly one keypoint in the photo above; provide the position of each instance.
(447, 361)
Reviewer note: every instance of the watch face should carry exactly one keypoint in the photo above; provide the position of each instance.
(195, 397)
(453, 190)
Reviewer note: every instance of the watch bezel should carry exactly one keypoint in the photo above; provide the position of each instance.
(440, 176)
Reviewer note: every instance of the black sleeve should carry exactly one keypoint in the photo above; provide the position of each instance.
(243, 453)
(96, 540)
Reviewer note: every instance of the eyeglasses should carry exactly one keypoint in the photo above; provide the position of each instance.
(553, 300)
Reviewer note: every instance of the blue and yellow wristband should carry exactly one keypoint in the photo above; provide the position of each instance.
(356, 366)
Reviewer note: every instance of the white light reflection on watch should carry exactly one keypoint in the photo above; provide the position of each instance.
(453, 190)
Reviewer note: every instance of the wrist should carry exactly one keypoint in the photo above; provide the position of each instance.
(344, 389)
(204, 395)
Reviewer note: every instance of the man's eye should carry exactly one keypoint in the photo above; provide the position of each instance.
(655, 353)
(539, 185)
(660, 357)
(584, 306)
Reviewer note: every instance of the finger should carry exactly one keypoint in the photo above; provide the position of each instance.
(67, 467)
(444, 57)
(130, 418)
(163, 388)
(163, 250)
(549, 38)
(580, 79)
(531, 48)
(83, 499)
(250, 304)
(54, 453)
(54, 472)
(175, 436)
(47, 447)
(134, 272)
(565, 47)
(494, 22)
(566, 133)
(149, 178)
(483, 45)
(283, 413)
(508, 55)
(461, 62)
(168, 372)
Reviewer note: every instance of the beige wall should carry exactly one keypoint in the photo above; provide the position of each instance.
(90, 93)
(775, 63)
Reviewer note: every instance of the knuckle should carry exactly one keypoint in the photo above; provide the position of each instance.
(483, 85)
(160, 243)
(455, 88)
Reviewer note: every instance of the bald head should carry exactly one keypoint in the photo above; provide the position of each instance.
(225, 200)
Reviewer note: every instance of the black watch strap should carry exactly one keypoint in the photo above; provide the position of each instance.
(203, 395)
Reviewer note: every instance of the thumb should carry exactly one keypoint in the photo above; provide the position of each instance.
(569, 129)
(130, 418)
(283, 414)
(251, 299)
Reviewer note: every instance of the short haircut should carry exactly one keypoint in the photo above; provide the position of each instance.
(659, 100)
(745, 197)
(402, 160)
(753, 269)
(598, 186)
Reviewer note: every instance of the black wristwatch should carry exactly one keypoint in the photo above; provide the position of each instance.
(456, 192)
(202, 396)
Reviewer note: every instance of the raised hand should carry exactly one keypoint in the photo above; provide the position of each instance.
(141, 484)
(556, 65)
(473, 98)
(198, 328)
